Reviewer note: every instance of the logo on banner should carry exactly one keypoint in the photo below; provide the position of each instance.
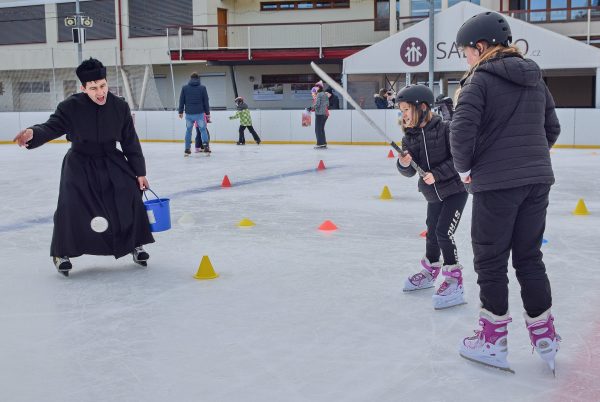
(413, 51)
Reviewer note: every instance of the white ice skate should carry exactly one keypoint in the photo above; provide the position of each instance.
(544, 339)
(489, 346)
(451, 291)
(424, 279)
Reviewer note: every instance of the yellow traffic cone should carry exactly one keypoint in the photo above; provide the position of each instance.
(245, 223)
(581, 209)
(205, 270)
(385, 194)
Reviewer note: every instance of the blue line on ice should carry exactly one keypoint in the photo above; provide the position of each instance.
(13, 227)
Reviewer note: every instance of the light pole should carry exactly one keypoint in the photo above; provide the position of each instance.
(431, 41)
(78, 25)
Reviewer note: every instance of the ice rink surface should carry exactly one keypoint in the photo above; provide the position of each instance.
(296, 314)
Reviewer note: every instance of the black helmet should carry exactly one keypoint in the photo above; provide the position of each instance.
(489, 26)
(416, 94)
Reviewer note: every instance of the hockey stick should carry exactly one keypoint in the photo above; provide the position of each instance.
(338, 88)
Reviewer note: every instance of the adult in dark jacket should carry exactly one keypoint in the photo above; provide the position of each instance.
(100, 209)
(334, 101)
(501, 133)
(194, 101)
(380, 99)
(426, 143)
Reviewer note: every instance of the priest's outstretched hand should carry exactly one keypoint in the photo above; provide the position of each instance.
(23, 137)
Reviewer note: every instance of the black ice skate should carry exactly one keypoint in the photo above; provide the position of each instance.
(140, 256)
(187, 152)
(62, 264)
(207, 150)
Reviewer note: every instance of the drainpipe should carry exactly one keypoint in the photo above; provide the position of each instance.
(120, 26)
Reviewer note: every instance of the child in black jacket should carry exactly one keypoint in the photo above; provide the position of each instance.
(427, 144)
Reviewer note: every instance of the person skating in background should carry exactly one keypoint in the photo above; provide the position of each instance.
(426, 140)
(321, 109)
(501, 133)
(198, 140)
(194, 101)
(243, 113)
(100, 209)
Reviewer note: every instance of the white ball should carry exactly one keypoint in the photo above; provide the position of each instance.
(99, 224)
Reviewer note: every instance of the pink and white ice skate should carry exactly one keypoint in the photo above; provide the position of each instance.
(544, 339)
(451, 291)
(425, 278)
(489, 346)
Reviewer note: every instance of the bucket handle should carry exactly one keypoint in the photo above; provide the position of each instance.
(157, 197)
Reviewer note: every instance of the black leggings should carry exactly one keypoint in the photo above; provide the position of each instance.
(242, 138)
(505, 221)
(442, 220)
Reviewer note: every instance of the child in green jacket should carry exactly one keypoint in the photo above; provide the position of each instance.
(243, 113)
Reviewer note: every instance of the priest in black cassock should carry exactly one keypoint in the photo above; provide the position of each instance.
(100, 209)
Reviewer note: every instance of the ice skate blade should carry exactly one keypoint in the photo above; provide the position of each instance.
(65, 273)
(449, 306)
(405, 289)
(508, 369)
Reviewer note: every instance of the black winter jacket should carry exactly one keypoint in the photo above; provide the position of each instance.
(430, 149)
(194, 98)
(504, 125)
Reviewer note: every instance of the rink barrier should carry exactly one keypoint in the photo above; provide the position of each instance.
(579, 127)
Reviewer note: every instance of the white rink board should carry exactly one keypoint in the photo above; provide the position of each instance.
(579, 127)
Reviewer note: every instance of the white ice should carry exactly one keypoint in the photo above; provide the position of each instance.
(296, 314)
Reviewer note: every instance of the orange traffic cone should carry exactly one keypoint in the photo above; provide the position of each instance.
(423, 233)
(391, 154)
(226, 182)
(321, 165)
(328, 226)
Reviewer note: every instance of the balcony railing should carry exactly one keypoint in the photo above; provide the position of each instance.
(295, 35)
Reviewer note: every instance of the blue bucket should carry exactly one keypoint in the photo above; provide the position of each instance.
(159, 213)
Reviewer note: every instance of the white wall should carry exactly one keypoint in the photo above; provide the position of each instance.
(579, 126)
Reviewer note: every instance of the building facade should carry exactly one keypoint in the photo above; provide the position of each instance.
(260, 50)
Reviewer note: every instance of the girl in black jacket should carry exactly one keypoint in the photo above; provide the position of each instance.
(426, 143)
(501, 134)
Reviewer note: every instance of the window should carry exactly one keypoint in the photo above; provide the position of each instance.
(382, 14)
(21, 25)
(101, 11)
(453, 2)
(303, 5)
(150, 17)
(34, 87)
(552, 12)
(420, 8)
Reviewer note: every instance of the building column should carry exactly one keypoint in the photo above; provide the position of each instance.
(598, 88)
(393, 26)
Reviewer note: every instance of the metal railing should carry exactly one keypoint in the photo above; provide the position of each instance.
(295, 35)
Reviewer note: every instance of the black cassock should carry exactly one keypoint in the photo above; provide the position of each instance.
(97, 179)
